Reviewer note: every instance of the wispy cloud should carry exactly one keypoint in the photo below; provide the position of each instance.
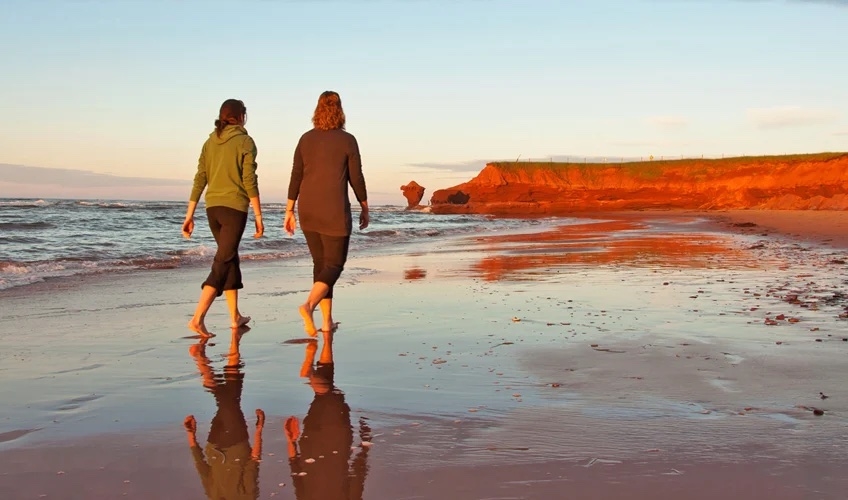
(634, 144)
(667, 122)
(842, 3)
(39, 182)
(463, 166)
(789, 116)
(475, 166)
(22, 174)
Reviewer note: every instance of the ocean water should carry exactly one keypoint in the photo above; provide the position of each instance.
(43, 238)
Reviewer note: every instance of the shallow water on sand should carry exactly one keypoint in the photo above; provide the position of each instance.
(661, 351)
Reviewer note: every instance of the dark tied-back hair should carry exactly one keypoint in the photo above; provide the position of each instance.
(329, 114)
(232, 112)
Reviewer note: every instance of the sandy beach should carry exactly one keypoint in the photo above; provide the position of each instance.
(637, 355)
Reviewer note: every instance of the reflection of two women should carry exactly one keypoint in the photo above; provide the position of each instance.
(228, 466)
(323, 464)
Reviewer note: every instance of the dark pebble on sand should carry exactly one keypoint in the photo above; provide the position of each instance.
(818, 411)
(818, 340)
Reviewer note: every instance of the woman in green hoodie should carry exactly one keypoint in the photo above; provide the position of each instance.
(227, 170)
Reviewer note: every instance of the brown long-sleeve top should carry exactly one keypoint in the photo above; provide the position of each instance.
(325, 162)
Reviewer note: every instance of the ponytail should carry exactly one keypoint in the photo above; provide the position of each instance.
(232, 112)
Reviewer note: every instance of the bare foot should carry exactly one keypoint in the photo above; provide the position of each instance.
(200, 328)
(311, 349)
(308, 322)
(241, 330)
(240, 322)
(330, 327)
(196, 350)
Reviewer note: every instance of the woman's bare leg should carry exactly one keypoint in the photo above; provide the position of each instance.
(197, 323)
(327, 350)
(316, 295)
(198, 352)
(326, 306)
(308, 359)
(236, 319)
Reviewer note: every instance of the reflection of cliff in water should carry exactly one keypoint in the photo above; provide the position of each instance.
(617, 242)
(415, 273)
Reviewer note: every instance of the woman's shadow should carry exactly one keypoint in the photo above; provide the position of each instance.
(228, 466)
(321, 457)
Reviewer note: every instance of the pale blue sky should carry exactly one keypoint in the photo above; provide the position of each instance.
(432, 89)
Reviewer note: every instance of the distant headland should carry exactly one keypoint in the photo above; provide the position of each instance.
(790, 182)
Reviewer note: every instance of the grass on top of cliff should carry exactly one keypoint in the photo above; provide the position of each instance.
(655, 168)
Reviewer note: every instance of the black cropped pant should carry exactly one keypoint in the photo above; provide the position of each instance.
(227, 225)
(329, 254)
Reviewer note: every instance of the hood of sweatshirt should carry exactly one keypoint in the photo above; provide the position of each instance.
(228, 133)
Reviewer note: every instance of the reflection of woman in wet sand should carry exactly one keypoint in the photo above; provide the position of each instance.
(229, 468)
(320, 456)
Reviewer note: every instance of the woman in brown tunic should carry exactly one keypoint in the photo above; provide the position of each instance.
(326, 160)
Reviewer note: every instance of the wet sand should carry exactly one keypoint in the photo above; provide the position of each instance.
(649, 355)
(827, 228)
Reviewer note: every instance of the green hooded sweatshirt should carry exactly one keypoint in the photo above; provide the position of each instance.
(227, 165)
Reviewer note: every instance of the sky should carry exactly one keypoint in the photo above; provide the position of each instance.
(114, 99)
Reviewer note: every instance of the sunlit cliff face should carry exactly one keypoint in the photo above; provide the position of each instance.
(803, 182)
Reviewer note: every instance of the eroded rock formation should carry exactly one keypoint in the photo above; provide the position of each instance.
(413, 192)
(796, 182)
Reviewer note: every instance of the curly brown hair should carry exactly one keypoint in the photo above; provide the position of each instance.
(329, 114)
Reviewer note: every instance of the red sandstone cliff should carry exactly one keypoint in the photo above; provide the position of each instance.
(796, 182)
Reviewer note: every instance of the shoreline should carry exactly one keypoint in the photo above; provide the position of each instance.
(825, 227)
(814, 226)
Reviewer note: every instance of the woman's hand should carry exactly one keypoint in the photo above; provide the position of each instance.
(260, 227)
(190, 425)
(188, 227)
(289, 223)
(364, 219)
(292, 428)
